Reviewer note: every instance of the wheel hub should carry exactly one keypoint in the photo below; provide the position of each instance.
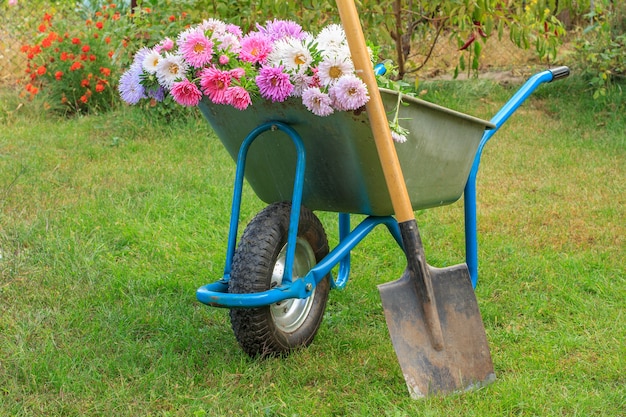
(290, 314)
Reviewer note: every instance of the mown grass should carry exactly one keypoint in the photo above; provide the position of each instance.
(109, 223)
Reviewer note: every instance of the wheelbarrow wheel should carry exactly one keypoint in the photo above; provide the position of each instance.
(258, 266)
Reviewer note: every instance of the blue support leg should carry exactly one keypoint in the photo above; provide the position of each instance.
(469, 195)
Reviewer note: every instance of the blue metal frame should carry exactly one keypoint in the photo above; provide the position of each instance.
(469, 194)
(216, 294)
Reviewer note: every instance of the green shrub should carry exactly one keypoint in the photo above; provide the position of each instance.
(600, 49)
(77, 58)
(72, 62)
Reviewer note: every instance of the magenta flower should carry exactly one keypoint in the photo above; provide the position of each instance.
(274, 84)
(317, 102)
(214, 83)
(197, 49)
(186, 93)
(238, 97)
(255, 47)
(349, 93)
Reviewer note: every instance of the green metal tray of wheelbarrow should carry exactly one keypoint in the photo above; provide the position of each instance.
(343, 173)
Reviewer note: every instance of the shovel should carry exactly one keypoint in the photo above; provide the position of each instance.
(432, 313)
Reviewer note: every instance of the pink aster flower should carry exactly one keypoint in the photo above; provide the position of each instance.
(274, 84)
(234, 29)
(317, 102)
(237, 73)
(238, 97)
(197, 49)
(165, 45)
(214, 83)
(186, 93)
(255, 47)
(349, 93)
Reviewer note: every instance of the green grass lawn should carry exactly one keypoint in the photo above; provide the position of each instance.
(109, 223)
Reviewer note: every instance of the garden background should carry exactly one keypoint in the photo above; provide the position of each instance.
(111, 216)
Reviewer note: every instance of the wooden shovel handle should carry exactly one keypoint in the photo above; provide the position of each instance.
(376, 112)
(391, 169)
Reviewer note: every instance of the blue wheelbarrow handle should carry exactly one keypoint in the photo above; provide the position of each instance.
(469, 194)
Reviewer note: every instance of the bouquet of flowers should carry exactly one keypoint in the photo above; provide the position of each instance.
(276, 61)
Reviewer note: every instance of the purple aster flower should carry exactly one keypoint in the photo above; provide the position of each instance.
(317, 102)
(349, 93)
(130, 88)
(197, 49)
(274, 84)
(279, 29)
(156, 93)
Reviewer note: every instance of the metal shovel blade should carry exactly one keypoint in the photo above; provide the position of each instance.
(464, 362)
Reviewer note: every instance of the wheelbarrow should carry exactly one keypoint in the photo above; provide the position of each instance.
(277, 279)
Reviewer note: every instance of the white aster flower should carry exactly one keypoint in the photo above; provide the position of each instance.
(331, 38)
(227, 42)
(169, 69)
(318, 102)
(300, 82)
(334, 67)
(398, 133)
(151, 61)
(214, 25)
(292, 53)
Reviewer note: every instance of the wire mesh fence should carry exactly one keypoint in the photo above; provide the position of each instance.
(17, 25)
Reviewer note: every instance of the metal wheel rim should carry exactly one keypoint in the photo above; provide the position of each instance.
(290, 314)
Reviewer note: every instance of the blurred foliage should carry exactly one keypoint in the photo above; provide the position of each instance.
(405, 31)
(601, 47)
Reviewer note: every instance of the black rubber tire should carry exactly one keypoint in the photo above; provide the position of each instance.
(265, 331)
